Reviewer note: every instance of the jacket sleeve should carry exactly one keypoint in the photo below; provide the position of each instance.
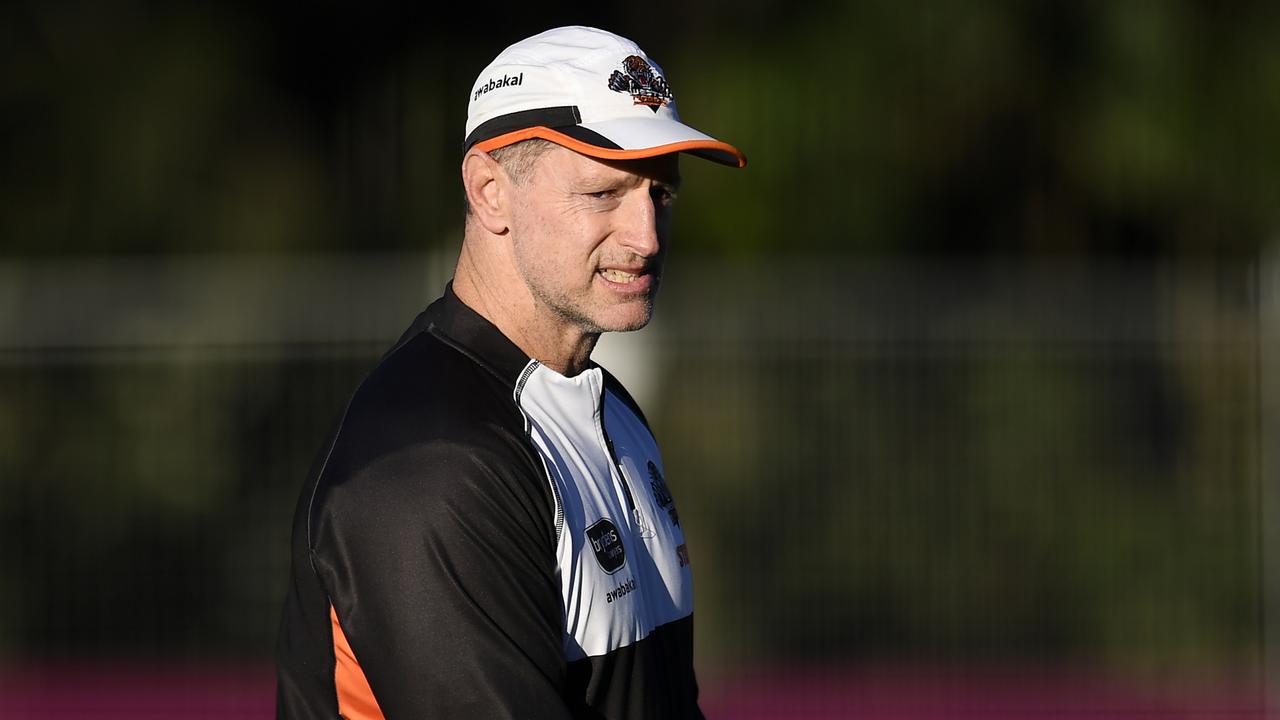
(439, 562)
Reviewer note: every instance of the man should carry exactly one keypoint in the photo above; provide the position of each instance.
(489, 532)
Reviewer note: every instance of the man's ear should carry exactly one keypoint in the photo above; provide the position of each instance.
(488, 190)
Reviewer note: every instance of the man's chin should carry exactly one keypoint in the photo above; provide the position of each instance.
(628, 317)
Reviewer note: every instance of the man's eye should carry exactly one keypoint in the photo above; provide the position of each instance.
(600, 194)
(662, 196)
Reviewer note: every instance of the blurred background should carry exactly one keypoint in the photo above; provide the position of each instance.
(967, 385)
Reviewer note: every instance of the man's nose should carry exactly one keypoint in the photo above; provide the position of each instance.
(640, 232)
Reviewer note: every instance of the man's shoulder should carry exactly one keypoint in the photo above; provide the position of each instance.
(425, 388)
(426, 396)
(429, 427)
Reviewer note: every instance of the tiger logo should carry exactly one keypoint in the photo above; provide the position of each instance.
(662, 494)
(643, 82)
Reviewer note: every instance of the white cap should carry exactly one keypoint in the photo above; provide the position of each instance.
(588, 90)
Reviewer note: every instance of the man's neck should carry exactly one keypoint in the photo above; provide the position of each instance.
(508, 304)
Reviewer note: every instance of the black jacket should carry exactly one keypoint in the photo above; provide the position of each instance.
(483, 537)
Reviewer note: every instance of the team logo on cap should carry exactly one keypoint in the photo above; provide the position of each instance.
(644, 83)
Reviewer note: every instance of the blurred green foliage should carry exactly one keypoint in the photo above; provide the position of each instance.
(872, 127)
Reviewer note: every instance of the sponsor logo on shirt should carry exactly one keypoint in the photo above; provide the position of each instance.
(607, 544)
(623, 589)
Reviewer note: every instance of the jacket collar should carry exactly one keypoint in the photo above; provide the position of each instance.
(451, 320)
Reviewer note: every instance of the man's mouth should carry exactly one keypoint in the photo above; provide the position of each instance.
(618, 276)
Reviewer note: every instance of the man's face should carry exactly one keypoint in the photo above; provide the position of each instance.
(590, 236)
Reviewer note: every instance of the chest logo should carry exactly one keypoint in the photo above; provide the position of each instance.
(607, 544)
(662, 494)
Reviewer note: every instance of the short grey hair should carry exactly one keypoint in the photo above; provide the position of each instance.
(518, 160)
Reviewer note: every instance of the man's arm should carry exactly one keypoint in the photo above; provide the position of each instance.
(438, 560)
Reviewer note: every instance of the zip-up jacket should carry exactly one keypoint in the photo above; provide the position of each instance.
(483, 537)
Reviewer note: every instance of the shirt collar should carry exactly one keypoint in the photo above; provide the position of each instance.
(451, 320)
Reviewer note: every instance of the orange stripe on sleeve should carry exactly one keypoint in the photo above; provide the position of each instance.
(355, 697)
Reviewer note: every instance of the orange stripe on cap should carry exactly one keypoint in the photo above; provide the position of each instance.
(355, 697)
(560, 138)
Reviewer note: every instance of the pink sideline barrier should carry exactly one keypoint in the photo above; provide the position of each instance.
(916, 693)
(246, 692)
(115, 691)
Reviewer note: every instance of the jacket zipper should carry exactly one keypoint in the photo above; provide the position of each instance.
(626, 487)
(636, 517)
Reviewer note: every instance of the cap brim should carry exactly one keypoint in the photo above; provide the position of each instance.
(625, 139)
